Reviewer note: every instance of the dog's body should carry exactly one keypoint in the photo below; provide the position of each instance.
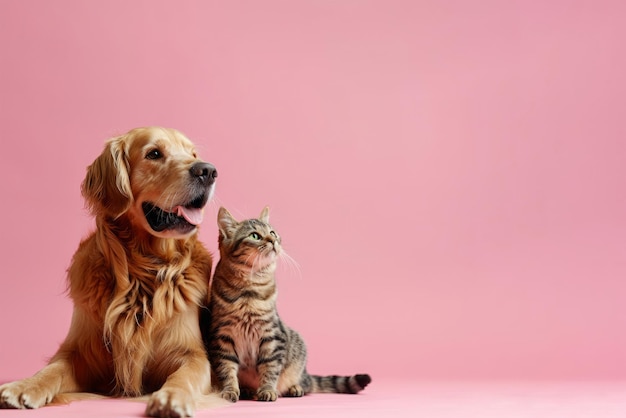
(137, 282)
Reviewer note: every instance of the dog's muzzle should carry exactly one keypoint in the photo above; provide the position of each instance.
(184, 217)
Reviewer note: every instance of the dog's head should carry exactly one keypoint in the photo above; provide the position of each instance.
(155, 178)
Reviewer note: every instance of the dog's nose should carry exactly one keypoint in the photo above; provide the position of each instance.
(205, 172)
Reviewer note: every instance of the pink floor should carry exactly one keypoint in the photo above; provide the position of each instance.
(388, 398)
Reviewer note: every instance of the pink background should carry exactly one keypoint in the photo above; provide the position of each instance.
(450, 176)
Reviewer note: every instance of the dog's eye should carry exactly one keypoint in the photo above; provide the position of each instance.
(255, 236)
(154, 154)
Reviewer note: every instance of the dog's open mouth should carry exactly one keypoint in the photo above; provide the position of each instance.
(181, 218)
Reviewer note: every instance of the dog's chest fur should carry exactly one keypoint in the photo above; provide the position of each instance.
(155, 296)
(151, 296)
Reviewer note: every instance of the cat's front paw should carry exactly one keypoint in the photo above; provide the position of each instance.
(266, 395)
(295, 391)
(231, 395)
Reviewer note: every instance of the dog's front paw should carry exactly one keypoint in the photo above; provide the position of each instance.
(24, 394)
(167, 403)
(266, 395)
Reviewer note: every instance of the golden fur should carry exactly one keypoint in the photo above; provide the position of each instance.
(137, 292)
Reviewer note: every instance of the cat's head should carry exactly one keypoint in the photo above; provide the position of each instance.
(252, 243)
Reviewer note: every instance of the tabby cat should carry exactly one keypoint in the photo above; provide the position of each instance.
(254, 355)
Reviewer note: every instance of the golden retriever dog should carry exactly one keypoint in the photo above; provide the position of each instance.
(138, 282)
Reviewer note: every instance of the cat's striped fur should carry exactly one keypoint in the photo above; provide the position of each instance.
(254, 355)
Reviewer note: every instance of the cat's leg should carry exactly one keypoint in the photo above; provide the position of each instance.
(269, 366)
(294, 380)
(225, 363)
(226, 370)
(268, 380)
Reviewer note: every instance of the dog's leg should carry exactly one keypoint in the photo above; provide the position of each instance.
(38, 390)
(177, 396)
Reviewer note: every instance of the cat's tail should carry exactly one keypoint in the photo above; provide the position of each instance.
(339, 384)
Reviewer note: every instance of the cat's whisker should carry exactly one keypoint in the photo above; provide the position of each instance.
(254, 258)
(216, 202)
(290, 263)
(253, 269)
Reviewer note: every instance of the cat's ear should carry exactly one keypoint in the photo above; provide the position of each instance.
(225, 222)
(265, 215)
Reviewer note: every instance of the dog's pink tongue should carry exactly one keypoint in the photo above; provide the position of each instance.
(193, 216)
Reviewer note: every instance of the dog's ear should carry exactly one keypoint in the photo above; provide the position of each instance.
(106, 187)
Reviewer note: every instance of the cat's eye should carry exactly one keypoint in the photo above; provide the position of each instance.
(255, 235)
(273, 234)
(154, 154)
